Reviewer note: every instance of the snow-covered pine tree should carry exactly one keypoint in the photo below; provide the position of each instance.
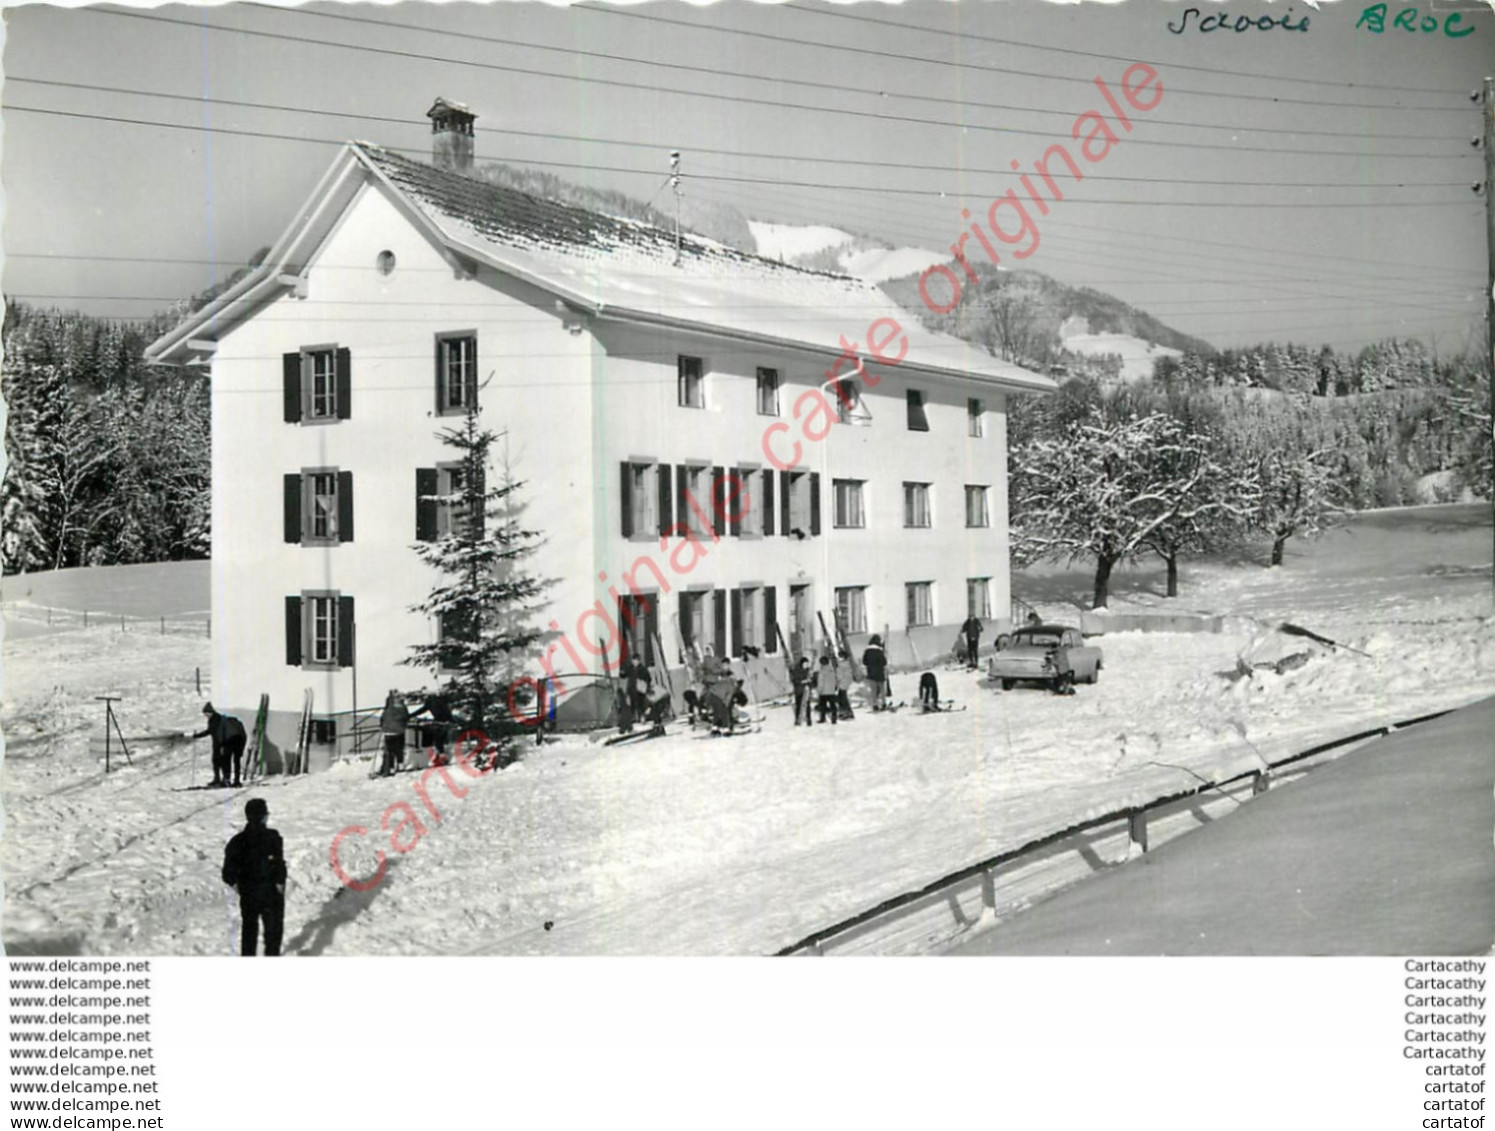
(484, 600)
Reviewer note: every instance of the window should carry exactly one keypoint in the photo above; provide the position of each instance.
(847, 397)
(456, 372)
(851, 607)
(640, 500)
(695, 488)
(978, 597)
(848, 508)
(799, 500)
(920, 600)
(916, 505)
(318, 384)
(976, 417)
(745, 505)
(976, 512)
(324, 732)
(319, 506)
(693, 618)
(319, 629)
(768, 392)
(917, 421)
(692, 392)
(454, 629)
(746, 619)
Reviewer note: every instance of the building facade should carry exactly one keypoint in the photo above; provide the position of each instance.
(672, 411)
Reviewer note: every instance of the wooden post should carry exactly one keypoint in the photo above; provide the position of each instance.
(1261, 781)
(1136, 828)
(198, 673)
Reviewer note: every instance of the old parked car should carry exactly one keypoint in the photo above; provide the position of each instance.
(1051, 654)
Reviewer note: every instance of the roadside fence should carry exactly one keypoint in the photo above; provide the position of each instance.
(999, 886)
(177, 624)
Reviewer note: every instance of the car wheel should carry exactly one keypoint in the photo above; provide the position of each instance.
(1094, 675)
(1007, 684)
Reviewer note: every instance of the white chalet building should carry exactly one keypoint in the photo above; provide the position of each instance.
(628, 376)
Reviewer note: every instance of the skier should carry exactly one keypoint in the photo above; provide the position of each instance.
(843, 686)
(638, 686)
(825, 691)
(254, 865)
(875, 663)
(228, 738)
(435, 733)
(393, 721)
(929, 692)
(801, 677)
(972, 631)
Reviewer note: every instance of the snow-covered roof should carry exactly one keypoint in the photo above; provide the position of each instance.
(618, 268)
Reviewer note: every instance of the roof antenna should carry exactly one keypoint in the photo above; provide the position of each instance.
(675, 187)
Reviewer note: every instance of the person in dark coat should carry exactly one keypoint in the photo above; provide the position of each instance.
(875, 664)
(438, 708)
(843, 686)
(639, 686)
(802, 677)
(972, 632)
(393, 722)
(228, 738)
(254, 865)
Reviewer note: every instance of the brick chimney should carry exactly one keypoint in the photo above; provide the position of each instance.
(451, 135)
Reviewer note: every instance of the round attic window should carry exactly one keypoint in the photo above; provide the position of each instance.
(386, 262)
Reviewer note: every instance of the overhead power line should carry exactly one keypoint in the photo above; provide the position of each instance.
(795, 41)
(838, 87)
(740, 99)
(651, 173)
(965, 35)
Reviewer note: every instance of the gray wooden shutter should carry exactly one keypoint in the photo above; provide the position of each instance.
(293, 631)
(472, 376)
(718, 502)
(786, 513)
(814, 502)
(344, 506)
(626, 481)
(767, 502)
(291, 490)
(344, 384)
(739, 501)
(290, 379)
(737, 622)
(666, 501)
(345, 632)
(719, 620)
(682, 502)
(427, 483)
(770, 618)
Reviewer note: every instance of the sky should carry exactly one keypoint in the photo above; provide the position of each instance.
(1310, 186)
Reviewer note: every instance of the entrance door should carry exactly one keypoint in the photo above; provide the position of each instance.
(638, 621)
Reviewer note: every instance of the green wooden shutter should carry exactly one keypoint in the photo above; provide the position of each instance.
(290, 379)
(344, 505)
(736, 623)
(625, 472)
(291, 491)
(814, 502)
(344, 384)
(770, 618)
(719, 620)
(786, 520)
(718, 502)
(293, 631)
(427, 483)
(767, 502)
(345, 643)
(666, 501)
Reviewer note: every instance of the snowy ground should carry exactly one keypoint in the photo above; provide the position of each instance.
(694, 845)
(1137, 357)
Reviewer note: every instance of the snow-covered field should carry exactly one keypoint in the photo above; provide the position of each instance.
(694, 845)
(1137, 357)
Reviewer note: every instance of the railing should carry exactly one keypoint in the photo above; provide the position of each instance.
(1136, 821)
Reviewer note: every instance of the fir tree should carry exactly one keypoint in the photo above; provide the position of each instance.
(484, 600)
